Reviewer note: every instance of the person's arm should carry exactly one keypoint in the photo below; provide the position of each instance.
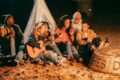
(0, 32)
(57, 35)
(94, 35)
(58, 40)
(72, 32)
(4, 32)
(19, 29)
(79, 38)
(91, 35)
(63, 37)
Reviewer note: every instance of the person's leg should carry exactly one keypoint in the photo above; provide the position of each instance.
(55, 48)
(75, 51)
(76, 54)
(69, 50)
(86, 53)
(44, 59)
(19, 56)
(52, 57)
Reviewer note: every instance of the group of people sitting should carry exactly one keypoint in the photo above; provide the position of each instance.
(72, 39)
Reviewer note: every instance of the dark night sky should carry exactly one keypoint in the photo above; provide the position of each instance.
(21, 8)
(107, 6)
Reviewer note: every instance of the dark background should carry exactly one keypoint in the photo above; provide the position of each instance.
(107, 11)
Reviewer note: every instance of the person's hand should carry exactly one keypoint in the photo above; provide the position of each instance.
(41, 43)
(58, 40)
(12, 34)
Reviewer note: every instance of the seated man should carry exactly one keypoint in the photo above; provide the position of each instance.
(86, 39)
(89, 41)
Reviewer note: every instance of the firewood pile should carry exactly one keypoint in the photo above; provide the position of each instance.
(69, 70)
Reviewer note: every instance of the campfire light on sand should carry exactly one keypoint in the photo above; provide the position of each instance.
(69, 70)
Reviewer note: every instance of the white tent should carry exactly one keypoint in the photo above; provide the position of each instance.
(39, 13)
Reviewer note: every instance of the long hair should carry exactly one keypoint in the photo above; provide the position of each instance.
(40, 24)
(62, 20)
(6, 18)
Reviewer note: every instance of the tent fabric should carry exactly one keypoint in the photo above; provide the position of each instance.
(39, 13)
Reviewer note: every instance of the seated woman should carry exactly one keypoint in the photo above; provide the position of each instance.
(10, 38)
(64, 37)
(36, 48)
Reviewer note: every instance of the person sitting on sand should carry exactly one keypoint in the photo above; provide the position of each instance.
(36, 48)
(10, 39)
(86, 39)
(64, 37)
